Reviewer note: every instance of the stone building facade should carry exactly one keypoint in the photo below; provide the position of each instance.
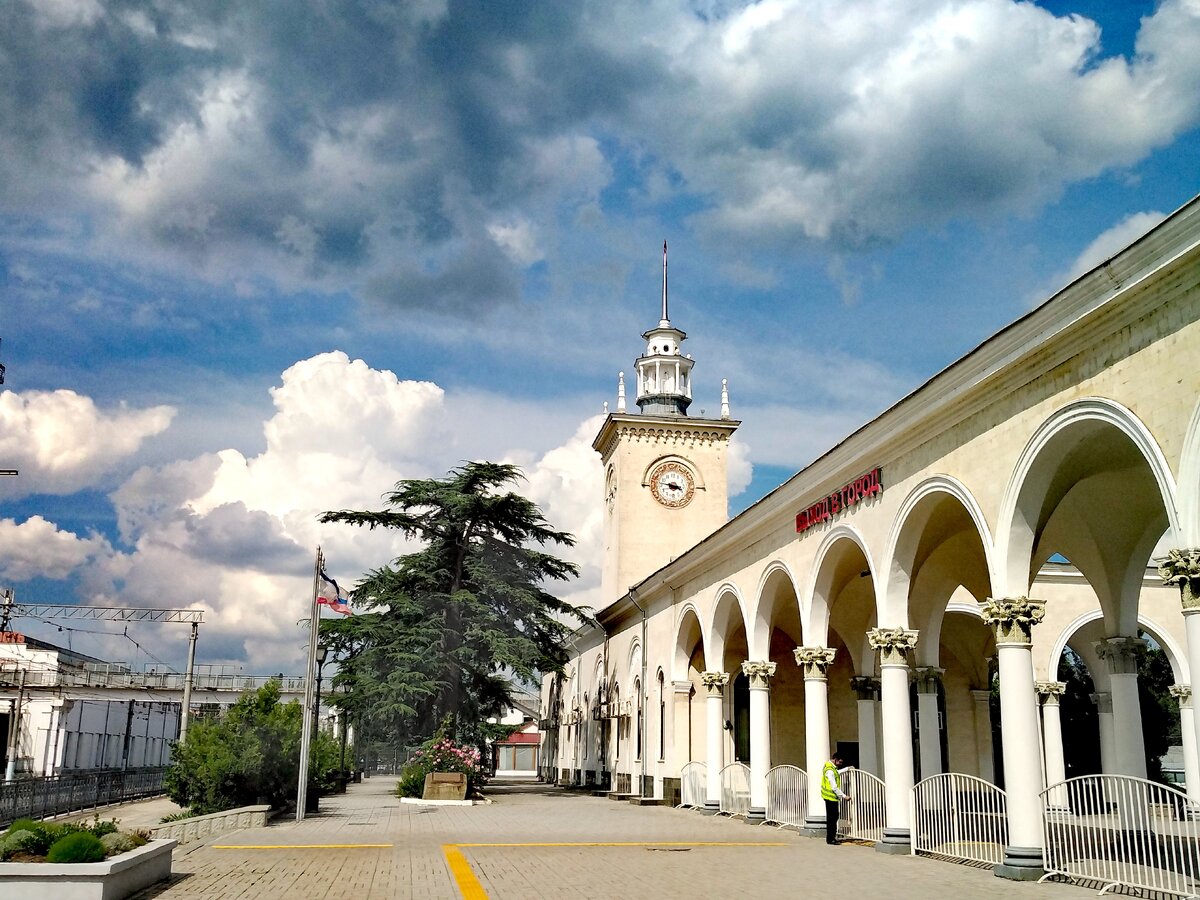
(1017, 503)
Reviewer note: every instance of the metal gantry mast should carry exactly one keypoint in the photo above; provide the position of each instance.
(194, 617)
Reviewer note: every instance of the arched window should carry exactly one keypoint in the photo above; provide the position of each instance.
(662, 717)
(637, 689)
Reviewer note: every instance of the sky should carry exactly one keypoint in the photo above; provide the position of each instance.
(263, 260)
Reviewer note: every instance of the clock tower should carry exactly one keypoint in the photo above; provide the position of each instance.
(665, 486)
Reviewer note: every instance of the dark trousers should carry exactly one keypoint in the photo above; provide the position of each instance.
(831, 820)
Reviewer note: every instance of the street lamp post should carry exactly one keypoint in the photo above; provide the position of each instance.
(321, 653)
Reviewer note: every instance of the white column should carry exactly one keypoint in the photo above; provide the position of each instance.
(759, 674)
(1013, 620)
(1187, 731)
(983, 734)
(1191, 621)
(1052, 736)
(893, 645)
(815, 662)
(1182, 568)
(1104, 721)
(867, 689)
(929, 732)
(714, 702)
(679, 748)
(1120, 655)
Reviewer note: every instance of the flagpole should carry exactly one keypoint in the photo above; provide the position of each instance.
(309, 691)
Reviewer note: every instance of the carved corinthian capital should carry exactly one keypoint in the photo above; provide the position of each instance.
(758, 672)
(1120, 654)
(1051, 691)
(714, 682)
(1182, 567)
(815, 661)
(866, 687)
(893, 644)
(1182, 693)
(1013, 618)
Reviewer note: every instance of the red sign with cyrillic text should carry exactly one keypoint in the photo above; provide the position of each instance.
(843, 498)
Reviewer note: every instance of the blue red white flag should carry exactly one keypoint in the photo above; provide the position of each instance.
(333, 596)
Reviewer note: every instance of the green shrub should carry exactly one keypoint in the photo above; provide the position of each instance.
(115, 842)
(100, 829)
(250, 755)
(19, 842)
(42, 835)
(24, 825)
(79, 847)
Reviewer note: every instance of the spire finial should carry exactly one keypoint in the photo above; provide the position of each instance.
(666, 319)
(620, 392)
(724, 398)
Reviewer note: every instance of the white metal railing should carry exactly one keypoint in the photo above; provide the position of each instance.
(861, 817)
(735, 789)
(959, 817)
(693, 785)
(1122, 831)
(787, 796)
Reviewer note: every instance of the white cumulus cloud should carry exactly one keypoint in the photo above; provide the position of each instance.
(61, 442)
(37, 548)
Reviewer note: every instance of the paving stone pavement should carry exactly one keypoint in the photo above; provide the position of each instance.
(526, 844)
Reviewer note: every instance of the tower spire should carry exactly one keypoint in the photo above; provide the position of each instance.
(666, 319)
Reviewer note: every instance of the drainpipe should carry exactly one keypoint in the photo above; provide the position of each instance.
(641, 705)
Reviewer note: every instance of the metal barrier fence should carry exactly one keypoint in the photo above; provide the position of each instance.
(1123, 831)
(861, 817)
(37, 798)
(693, 785)
(735, 789)
(959, 817)
(787, 796)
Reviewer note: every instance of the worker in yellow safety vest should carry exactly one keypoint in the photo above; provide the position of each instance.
(832, 793)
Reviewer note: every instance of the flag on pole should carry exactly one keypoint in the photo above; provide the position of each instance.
(332, 595)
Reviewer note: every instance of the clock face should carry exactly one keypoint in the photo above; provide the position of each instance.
(672, 485)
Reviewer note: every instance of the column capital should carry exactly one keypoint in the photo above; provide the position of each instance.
(815, 661)
(1182, 693)
(714, 682)
(866, 686)
(683, 687)
(1182, 567)
(981, 695)
(928, 678)
(1012, 618)
(1120, 654)
(1103, 701)
(1051, 691)
(893, 644)
(759, 672)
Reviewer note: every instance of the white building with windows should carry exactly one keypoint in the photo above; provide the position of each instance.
(1016, 504)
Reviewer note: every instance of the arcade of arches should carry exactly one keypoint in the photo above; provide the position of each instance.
(1030, 493)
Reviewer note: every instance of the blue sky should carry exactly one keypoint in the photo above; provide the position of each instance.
(257, 261)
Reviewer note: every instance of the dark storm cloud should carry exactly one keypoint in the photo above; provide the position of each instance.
(478, 277)
(93, 89)
(232, 535)
(349, 142)
(323, 137)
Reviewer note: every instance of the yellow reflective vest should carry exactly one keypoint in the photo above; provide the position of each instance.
(828, 793)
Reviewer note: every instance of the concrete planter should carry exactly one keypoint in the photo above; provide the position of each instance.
(113, 879)
(197, 828)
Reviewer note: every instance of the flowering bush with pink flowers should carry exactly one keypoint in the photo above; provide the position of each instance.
(440, 754)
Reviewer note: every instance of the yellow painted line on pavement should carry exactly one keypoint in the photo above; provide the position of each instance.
(471, 889)
(299, 846)
(468, 884)
(639, 844)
